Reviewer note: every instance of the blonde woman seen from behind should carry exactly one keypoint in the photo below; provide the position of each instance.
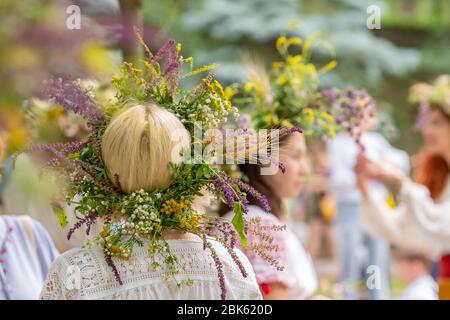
(137, 146)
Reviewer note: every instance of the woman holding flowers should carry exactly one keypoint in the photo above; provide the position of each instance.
(421, 222)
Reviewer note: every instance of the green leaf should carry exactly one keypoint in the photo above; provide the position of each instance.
(239, 224)
(60, 214)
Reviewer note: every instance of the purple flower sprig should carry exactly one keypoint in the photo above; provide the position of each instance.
(228, 239)
(219, 266)
(224, 184)
(172, 67)
(89, 219)
(111, 264)
(66, 148)
(71, 97)
(262, 199)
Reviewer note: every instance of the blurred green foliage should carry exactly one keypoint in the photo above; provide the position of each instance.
(409, 47)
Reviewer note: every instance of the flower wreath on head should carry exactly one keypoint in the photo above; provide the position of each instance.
(289, 94)
(145, 215)
(431, 95)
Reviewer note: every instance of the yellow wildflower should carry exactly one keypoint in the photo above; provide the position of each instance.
(219, 88)
(282, 80)
(281, 44)
(229, 92)
(104, 232)
(294, 41)
(249, 86)
(329, 66)
(294, 59)
(309, 114)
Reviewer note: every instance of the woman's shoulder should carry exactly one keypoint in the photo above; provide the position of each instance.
(78, 257)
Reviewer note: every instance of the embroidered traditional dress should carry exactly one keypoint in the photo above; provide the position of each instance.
(24, 258)
(84, 274)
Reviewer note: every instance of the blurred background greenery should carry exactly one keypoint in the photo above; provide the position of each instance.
(411, 45)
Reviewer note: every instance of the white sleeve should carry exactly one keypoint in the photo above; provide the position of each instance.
(381, 221)
(398, 158)
(342, 176)
(433, 217)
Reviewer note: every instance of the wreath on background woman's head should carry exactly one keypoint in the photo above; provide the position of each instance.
(429, 96)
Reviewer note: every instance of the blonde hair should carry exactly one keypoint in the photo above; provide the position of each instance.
(138, 145)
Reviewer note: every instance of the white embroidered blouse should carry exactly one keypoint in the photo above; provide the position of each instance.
(83, 274)
(418, 223)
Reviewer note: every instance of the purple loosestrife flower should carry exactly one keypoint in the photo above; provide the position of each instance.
(164, 52)
(226, 190)
(172, 74)
(72, 97)
(89, 219)
(229, 242)
(66, 148)
(262, 199)
(111, 264)
(59, 150)
(219, 267)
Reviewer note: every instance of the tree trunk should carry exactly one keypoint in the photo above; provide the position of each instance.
(132, 16)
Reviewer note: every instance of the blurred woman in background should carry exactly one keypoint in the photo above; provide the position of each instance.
(26, 249)
(298, 280)
(421, 222)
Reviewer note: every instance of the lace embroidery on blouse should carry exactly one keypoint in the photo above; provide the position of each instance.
(96, 279)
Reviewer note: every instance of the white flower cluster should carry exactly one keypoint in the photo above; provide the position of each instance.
(214, 112)
(143, 217)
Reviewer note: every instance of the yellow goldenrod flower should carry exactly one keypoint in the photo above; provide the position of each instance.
(281, 44)
(282, 80)
(229, 92)
(294, 59)
(309, 114)
(329, 66)
(248, 86)
(294, 41)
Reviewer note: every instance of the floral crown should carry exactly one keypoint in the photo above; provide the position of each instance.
(432, 95)
(131, 218)
(289, 94)
(283, 95)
